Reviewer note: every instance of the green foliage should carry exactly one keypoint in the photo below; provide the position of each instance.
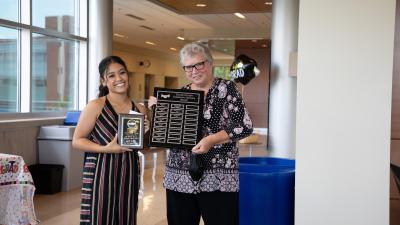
(222, 72)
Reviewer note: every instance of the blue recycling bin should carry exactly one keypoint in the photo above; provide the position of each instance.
(266, 195)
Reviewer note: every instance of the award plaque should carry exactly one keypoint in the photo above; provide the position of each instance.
(131, 130)
(177, 118)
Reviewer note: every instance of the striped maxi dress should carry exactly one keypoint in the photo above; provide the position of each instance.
(110, 180)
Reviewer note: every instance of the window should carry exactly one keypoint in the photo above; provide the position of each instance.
(8, 69)
(39, 69)
(53, 73)
(223, 72)
(9, 10)
(49, 15)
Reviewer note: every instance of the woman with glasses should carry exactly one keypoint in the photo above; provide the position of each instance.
(215, 196)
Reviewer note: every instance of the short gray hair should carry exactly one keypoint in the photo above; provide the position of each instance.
(193, 49)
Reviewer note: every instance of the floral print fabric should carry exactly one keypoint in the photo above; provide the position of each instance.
(16, 191)
(223, 109)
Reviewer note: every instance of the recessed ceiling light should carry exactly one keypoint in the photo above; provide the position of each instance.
(254, 40)
(119, 35)
(150, 43)
(135, 17)
(264, 45)
(268, 3)
(173, 49)
(180, 38)
(239, 15)
(146, 27)
(201, 5)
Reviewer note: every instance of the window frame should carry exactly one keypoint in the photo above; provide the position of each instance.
(24, 57)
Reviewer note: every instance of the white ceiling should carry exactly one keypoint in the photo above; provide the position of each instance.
(168, 25)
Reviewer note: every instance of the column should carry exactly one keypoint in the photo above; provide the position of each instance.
(282, 107)
(100, 40)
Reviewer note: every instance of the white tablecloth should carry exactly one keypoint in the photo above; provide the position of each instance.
(16, 192)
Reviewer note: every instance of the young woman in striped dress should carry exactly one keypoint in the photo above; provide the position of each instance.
(110, 173)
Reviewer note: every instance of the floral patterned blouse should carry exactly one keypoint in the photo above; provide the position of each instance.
(223, 109)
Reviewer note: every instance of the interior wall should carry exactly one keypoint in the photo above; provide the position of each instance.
(19, 137)
(395, 134)
(171, 82)
(255, 93)
(344, 88)
(161, 65)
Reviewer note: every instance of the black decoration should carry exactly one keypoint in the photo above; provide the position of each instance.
(177, 118)
(243, 69)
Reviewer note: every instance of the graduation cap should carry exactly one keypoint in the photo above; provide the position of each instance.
(244, 69)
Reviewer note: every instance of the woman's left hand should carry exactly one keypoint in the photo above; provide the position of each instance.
(203, 146)
(152, 101)
(146, 124)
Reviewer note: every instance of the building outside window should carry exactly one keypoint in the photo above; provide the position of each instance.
(39, 69)
(8, 69)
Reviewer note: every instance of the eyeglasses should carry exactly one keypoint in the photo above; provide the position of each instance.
(198, 66)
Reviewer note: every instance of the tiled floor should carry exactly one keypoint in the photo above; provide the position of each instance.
(63, 208)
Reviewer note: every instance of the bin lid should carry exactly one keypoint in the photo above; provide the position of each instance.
(56, 132)
(265, 168)
(268, 161)
(72, 118)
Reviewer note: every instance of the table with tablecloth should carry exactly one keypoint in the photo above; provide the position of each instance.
(16, 192)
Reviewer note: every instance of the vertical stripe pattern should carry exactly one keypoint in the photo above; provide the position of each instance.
(110, 181)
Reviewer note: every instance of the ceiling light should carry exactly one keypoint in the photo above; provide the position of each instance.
(201, 5)
(268, 3)
(239, 15)
(254, 40)
(150, 43)
(173, 49)
(180, 38)
(119, 35)
(264, 45)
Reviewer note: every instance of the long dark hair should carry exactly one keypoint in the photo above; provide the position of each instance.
(103, 67)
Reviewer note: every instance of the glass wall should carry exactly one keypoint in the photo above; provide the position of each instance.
(8, 69)
(9, 10)
(53, 73)
(223, 72)
(39, 69)
(60, 15)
